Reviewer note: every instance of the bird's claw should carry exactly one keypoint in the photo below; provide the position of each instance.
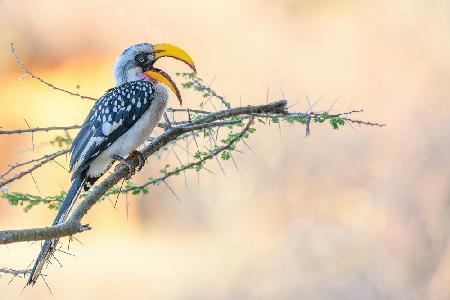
(137, 162)
(130, 166)
(140, 158)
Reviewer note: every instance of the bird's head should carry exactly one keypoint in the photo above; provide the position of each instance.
(136, 63)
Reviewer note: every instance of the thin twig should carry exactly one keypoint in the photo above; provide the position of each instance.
(38, 129)
(14, 272)
(28, 72)
(211, 92)
(18, 165)
(32, 134)
(41, 162)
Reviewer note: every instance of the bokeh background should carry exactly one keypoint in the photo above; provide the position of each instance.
(359, 213)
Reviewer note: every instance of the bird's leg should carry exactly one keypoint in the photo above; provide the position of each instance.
(130, 166)
(140, 157)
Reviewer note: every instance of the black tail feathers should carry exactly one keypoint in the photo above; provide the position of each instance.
(49, 246)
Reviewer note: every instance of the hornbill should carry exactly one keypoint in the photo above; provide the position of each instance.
(118, 123)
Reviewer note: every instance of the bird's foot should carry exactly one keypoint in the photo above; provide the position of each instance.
(140, 159)
(134, 162)
(129, 165)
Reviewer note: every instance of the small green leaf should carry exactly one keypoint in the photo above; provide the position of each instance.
(225, 155)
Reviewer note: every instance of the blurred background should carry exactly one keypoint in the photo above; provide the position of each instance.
(359, 213)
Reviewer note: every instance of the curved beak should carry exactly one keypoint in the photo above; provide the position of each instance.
(168, 50)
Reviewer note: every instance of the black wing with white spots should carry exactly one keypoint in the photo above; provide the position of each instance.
(112, 115)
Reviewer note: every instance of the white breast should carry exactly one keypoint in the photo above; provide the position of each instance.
(135, 136)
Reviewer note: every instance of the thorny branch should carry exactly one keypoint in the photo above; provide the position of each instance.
(197, 163)
(198, 121)
(73, 224)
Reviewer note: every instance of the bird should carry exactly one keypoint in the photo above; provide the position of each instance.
(118, 123)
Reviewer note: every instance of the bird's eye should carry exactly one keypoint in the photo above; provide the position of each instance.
(141, 59)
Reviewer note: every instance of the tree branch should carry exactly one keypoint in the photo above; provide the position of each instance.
(73, 223)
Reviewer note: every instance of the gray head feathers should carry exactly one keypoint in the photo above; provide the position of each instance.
(126, 68)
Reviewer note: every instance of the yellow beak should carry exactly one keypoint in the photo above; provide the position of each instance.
(165, 79)
(168, 50)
